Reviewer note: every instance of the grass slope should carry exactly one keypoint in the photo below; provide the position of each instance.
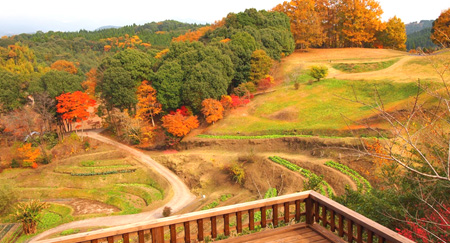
(327, 108)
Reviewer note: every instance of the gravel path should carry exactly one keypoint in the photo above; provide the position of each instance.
(181, 198)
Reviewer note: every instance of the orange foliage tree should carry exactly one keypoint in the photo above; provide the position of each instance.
(440, 34)
(29, 155)
(91, 82)
(212, 109)
(305, 22)
(148, 105)
(63, 65)
(73, 107)
(179, 125)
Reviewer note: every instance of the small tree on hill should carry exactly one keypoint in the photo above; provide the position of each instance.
(212, 109)
(28, 214)
(179, 125)
(318, 72)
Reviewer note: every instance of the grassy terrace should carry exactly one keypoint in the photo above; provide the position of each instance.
(364, 67)
(323, 108)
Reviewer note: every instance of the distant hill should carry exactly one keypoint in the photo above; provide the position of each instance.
(418, 26)
(107, 27)
(420, 39)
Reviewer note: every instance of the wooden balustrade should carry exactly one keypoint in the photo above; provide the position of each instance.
(309, 207)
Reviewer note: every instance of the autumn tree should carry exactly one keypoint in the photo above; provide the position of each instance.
(260, 65)
(212, 109)
(148, 105)
(63, 65)
(359, 20)
(394, 35)
(440, 33)
(318, 72)
(73, 107)
(179, 125)
(28, 154)
(90, 83)
(305, 22)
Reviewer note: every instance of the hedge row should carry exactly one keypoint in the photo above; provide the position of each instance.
(304, 172)
(103, 173)
(360, 181)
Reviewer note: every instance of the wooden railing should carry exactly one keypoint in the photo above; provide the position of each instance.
(309, 207)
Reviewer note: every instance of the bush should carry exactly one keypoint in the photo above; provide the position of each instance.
(318, 72)
(14, 163)
(167, 211)
(238, 172)
(7, 198)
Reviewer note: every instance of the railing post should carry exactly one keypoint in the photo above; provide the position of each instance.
(309, 210)
(158, 235)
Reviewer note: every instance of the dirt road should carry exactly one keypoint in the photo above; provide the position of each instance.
(181, 196)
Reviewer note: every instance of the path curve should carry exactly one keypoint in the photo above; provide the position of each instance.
(181, 198)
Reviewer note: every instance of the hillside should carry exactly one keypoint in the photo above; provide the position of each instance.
(418, 26)
(326, 108)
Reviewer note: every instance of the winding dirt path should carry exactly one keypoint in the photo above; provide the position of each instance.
(181, 196)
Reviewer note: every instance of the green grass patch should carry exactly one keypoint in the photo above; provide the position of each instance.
(93, 171)
(361, 182)
(69, 232)
(146, 192)
(325, 188)
(364, 67)
(323, 108)
(216, 202)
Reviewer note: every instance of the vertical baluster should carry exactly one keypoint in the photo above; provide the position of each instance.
(275, 215)
(226, 222)
(239, 222)
(286, 213)
(110, 239)
(309, 211)
(94, 241)
(187, 232)
(126, 238)
(297, 210)
(214, 227)
(324, 217)
(157, 235)
(341, 225)
(333, 221)
(350, 230)
(359, 238)
(369, 236)
(200, 229)
(251, 219)
(141, 236)
(263, 217)
(316, 211)
(173, 234)
(380, 239)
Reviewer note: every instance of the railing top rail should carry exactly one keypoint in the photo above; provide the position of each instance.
(178, 219)
(359, 219)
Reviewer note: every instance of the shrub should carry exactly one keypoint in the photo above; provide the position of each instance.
(7, 198)
(318, 72)
(29, 213)
(14, 163)
(238, 173)
(167, 211)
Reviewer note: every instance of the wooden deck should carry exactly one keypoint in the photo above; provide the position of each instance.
(301, 233)
(309, 216)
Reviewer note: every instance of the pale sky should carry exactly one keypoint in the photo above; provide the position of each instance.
(32, 15)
